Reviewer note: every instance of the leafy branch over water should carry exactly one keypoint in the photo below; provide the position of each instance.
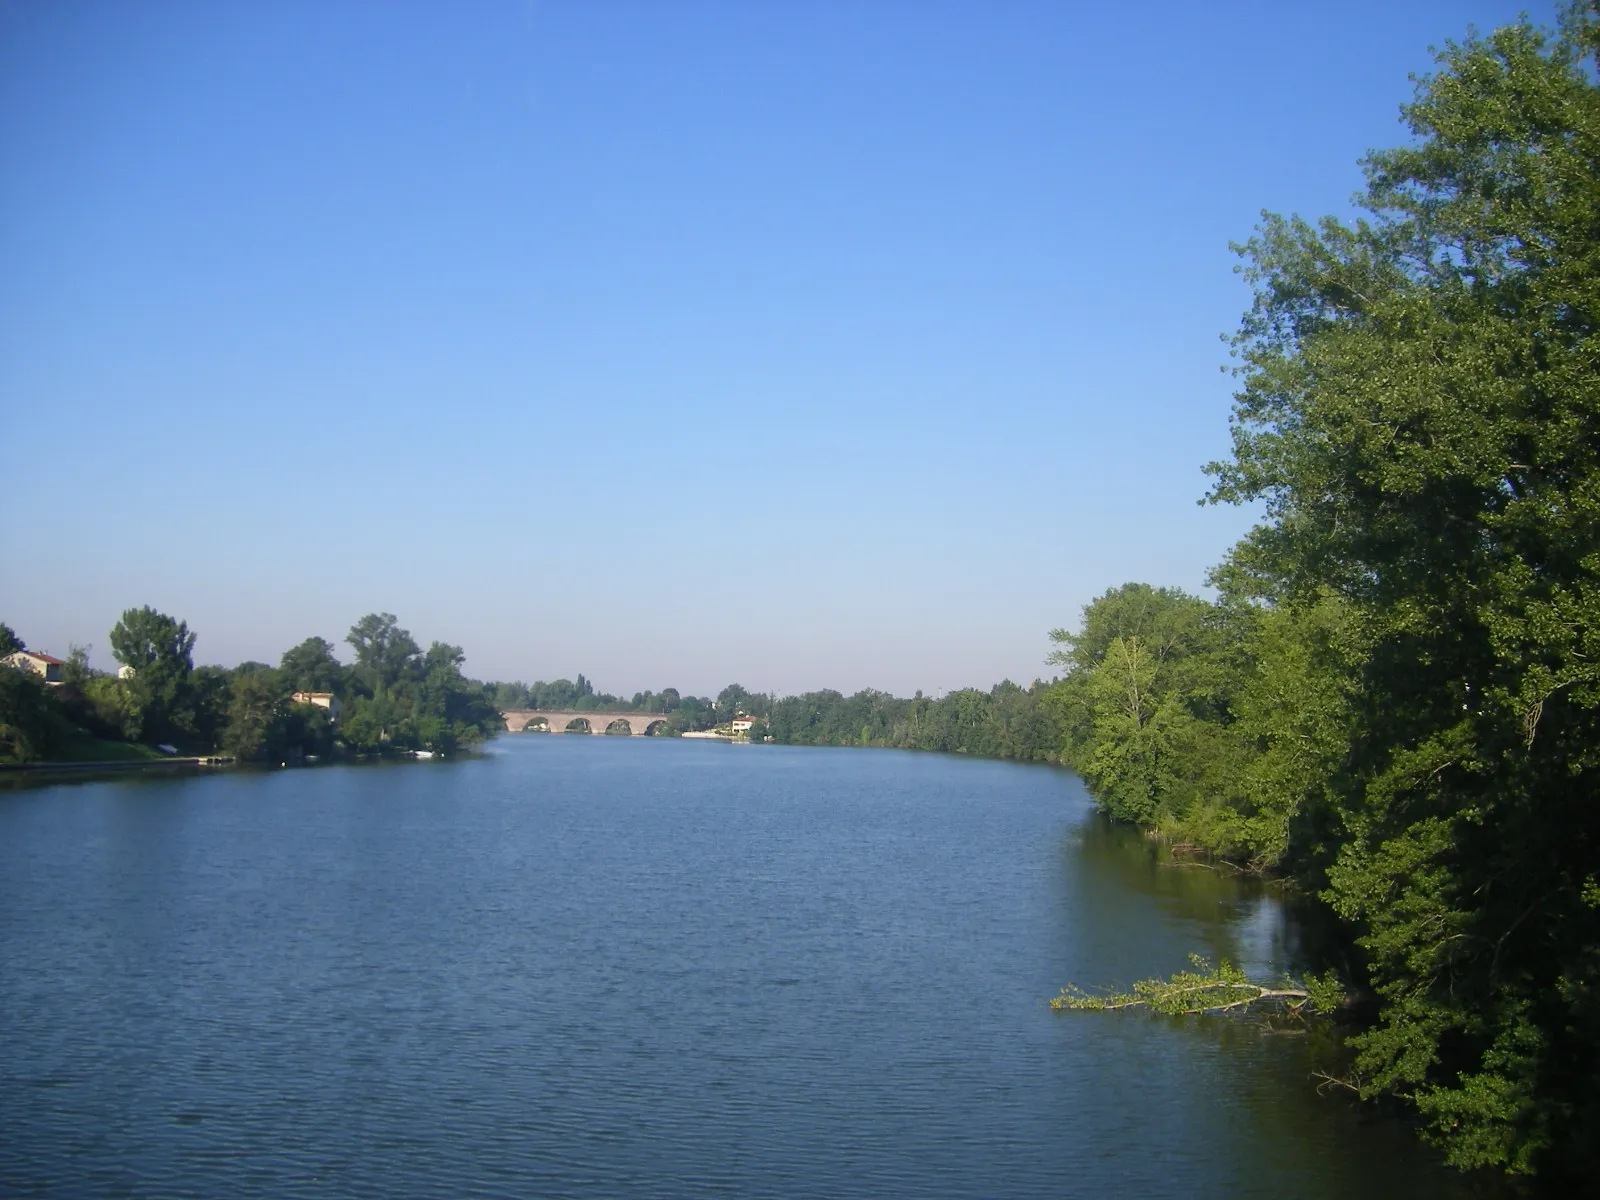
(1204, 989)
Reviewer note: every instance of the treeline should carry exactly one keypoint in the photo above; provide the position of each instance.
(1007, 721)
(394, 696)
(684, 712)
(565, 694)
(1395, 698)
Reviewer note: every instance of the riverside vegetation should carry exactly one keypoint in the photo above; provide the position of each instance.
(395, 697)
(1394, 700)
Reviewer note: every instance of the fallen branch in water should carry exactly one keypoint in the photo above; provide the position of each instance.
(1327, 1082)
(1205, 989)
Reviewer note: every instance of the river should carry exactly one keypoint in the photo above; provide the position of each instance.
(596, 967)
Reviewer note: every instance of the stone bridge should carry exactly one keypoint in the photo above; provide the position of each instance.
(519, 720)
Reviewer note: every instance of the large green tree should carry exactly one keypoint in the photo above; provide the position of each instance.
(312, 667)
(257, 712)
(410, 700)
(159, 653)
(385, 653)
(1420, 416)
(1145, 702)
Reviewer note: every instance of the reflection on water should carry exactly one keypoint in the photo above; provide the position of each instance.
(1234, 916)
(583, 967)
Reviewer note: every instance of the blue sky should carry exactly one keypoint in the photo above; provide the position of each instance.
(801, 345)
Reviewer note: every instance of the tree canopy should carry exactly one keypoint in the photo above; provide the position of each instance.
(1396, 697)
(1420, 413)
(396, 697)
(159, 653)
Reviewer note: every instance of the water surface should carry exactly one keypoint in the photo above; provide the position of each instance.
(592, 967)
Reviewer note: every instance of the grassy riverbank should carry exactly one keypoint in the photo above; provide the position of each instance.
(80, 747)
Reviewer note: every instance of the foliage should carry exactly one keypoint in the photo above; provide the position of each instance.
(1421, 416)
(1007, 721)
(580, 696)
(32, 727)
(1145, 704)
(1396, 697)
(733, 700)
(404, 699)
(312, 667)
(257, 716)
(76, 672)
(385, 653)
(159, 653)
(398, 698)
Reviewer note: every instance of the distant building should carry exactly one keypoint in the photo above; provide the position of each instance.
(742, 723)
(124, 672)
(325, 700)
(40, 664)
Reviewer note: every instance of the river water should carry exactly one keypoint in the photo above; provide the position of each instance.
(597, 967)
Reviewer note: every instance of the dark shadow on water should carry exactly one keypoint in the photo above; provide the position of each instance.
(1146, 909)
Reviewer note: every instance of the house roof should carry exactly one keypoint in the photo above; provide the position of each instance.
(44, 658)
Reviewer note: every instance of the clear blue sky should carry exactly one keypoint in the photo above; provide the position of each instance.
(798, 344)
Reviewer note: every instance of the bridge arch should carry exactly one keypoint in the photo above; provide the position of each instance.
(636, 724)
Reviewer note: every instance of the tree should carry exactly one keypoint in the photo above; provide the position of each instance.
(159, 651)
(31, 724)
(1420, 416)
(144, 638)
(1146, 707)
(415, 700)
(374, 723)
(385, 653)
(210, 699)
(509, 696)
(76, 673)
(312, 667)
(1167, 622)
(731, 700)
(257, 712)
(109, 709)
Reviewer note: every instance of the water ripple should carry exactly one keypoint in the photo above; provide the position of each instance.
(593, 967)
